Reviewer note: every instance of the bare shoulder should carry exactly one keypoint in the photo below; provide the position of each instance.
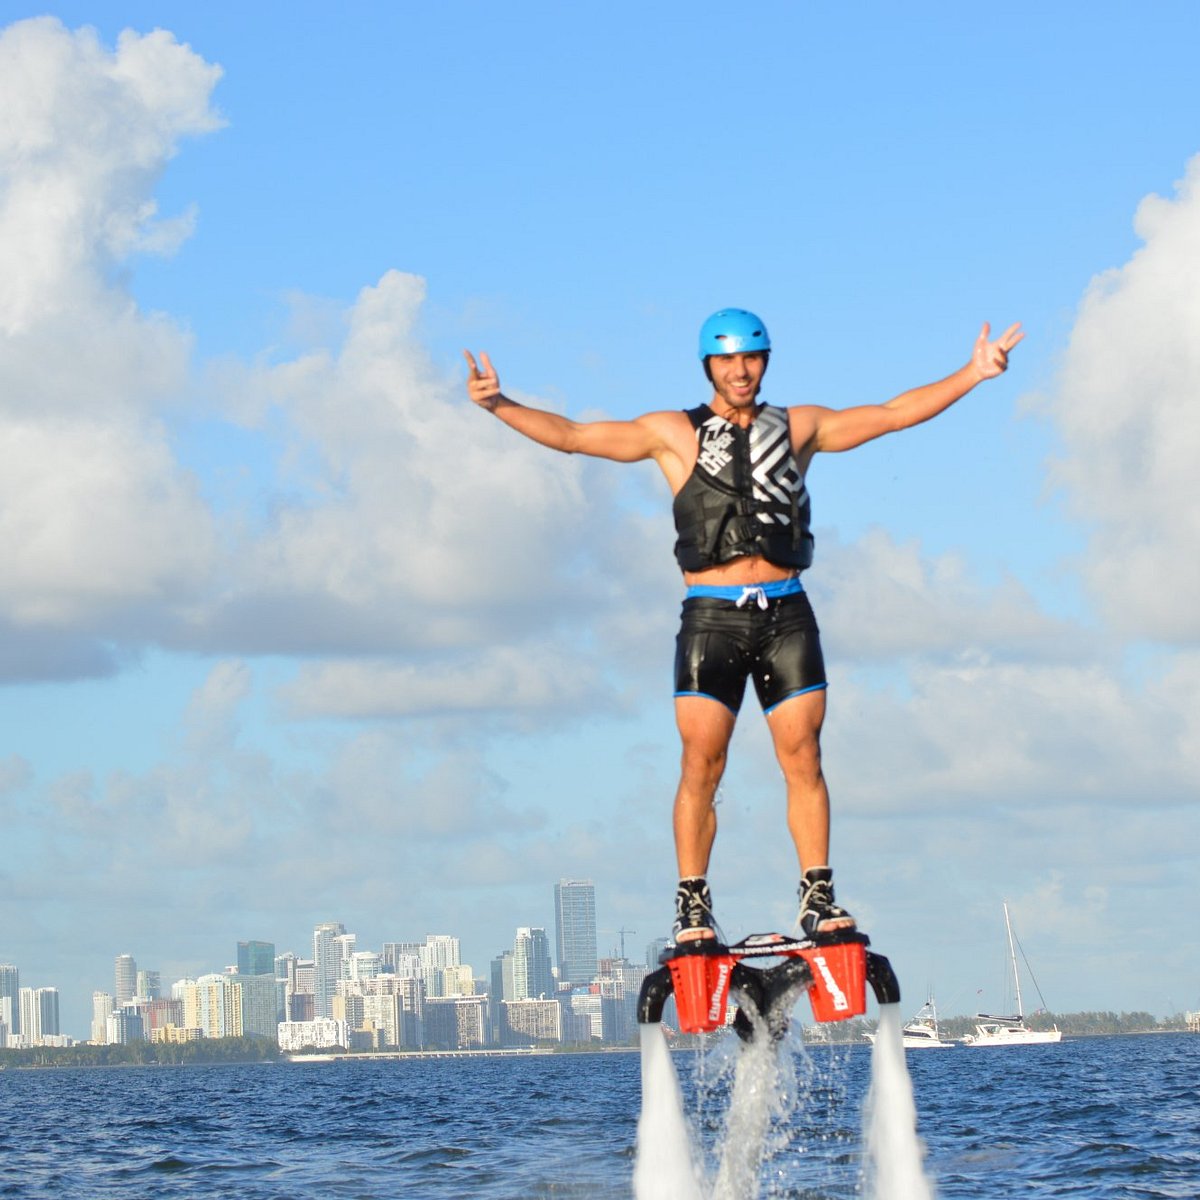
(804, 422)
(671, 428)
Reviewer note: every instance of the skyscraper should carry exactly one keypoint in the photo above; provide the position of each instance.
(327, 961)
(10, 997)
(256, 958)
(102, 1007)
(125, 978)
(654, 951)
(39, 1014)
(149, 985)
(438, 954)
(575, 929)
(532, 977)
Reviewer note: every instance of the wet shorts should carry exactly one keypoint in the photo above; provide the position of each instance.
(767, 633)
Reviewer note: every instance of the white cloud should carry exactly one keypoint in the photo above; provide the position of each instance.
(407, 519)
(490, 680)
(877, 600)
(92, 519)
(100, 530)
(1126, 407)
(1018, 735)
(85, 132)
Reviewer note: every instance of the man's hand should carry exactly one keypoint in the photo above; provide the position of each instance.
(991, 358)
(483, 386)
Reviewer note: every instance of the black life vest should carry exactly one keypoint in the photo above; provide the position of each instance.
(745, 495)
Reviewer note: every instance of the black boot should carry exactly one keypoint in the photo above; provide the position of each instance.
(818, 911)
(693, 910)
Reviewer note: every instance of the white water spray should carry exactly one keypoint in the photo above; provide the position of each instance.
(666, 1167)
(758, 1099)
(892, 1162)
(763, 1096)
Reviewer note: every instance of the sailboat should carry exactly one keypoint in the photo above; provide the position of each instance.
(1009, 1031)
(922, 1030)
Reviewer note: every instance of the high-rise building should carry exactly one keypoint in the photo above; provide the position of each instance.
(459, 1023)
(256, 958)
(575, 929)
(654, 951)
(149, 985)
(532, 977)
(254, 1005)
(347, 944)
(502, 977)
(439, 952)
(124, 1026)
(230, 1005)
(327, 966)
(527, 1021)
(10, 997)
(396, 953)
(125, 972)
(102, 1006)
(363, 964)
(39, 1014)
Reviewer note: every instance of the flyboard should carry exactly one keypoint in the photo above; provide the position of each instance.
(833, 968)
(764, 974)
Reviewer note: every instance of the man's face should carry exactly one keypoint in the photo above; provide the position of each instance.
(736, 378)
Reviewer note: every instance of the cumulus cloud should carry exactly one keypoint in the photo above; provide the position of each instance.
(879, 601)
(432, 558)
(415, 511)
(1125, 404)
(100, 530)
(85, 133)
(1019, 735)
(493, 679)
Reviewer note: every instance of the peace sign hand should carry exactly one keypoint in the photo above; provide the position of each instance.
(483, 386)
(991, 358)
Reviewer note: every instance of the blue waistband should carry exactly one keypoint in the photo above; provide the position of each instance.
(770, 591)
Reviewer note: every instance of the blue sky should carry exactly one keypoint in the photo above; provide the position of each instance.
(289, 633)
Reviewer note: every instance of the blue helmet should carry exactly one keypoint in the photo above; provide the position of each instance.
(733, 331)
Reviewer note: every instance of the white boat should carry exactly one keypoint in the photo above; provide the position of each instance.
(1009, 1031)
(922, 1031)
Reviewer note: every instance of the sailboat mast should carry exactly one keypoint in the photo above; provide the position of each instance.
(1012, 954)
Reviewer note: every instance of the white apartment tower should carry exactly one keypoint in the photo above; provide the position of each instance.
(327, 966)
(102, 1006)
(125, 979)
(532, 977)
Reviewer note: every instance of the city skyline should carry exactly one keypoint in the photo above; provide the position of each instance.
(290, 629)
(330, 945)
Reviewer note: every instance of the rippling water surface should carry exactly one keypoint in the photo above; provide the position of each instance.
(1092, 1119)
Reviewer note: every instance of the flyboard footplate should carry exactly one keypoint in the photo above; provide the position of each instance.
(834, 969)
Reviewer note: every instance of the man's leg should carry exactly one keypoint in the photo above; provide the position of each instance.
(796, 732)
(705, 727)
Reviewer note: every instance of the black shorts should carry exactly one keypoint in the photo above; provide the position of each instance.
(721, 645)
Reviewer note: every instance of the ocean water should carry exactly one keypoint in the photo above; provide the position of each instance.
(1111, 1118)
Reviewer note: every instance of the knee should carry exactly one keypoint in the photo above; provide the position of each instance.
(801, 756)
(701, 767)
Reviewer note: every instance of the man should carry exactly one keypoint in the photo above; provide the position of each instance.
(736, 469)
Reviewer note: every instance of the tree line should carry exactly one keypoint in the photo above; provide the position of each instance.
(203, 1050)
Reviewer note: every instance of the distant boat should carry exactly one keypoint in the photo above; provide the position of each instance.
(922, 1031)
(1009, 1031)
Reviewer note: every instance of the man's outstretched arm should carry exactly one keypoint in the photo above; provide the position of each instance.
(834, 430)
(621, 441)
